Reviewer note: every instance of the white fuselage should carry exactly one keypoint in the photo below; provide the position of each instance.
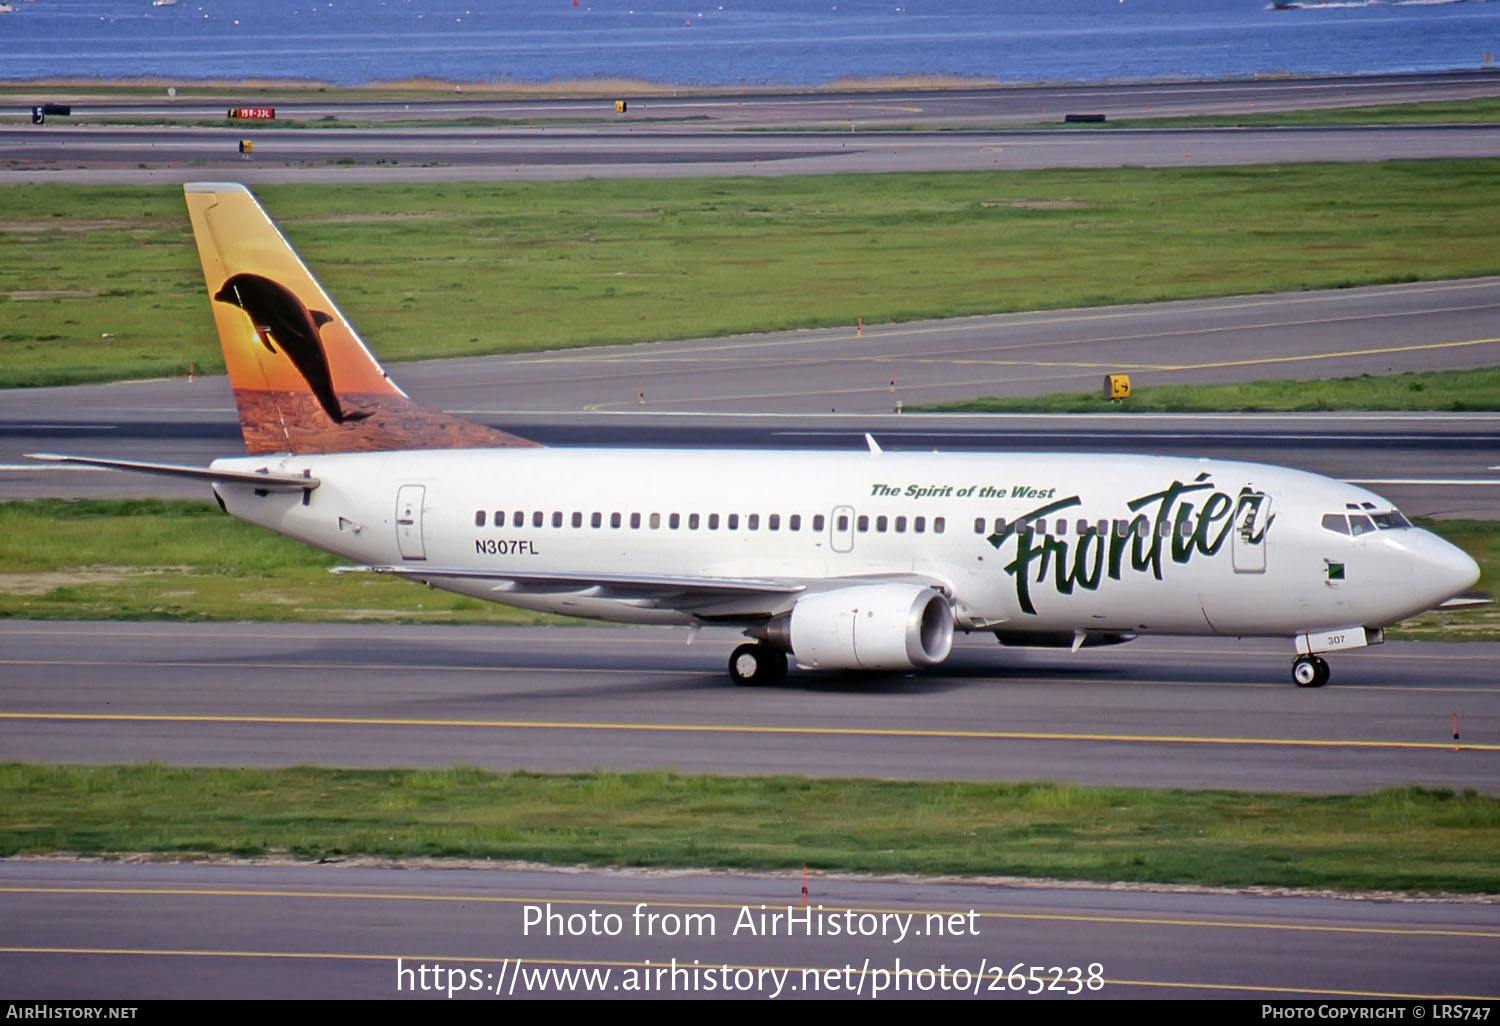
(1111, 543)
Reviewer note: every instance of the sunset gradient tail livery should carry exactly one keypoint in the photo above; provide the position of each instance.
(303, 380)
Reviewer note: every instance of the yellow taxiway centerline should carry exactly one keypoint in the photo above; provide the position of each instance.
(715, 728)
(998, 971)
(1046, 917)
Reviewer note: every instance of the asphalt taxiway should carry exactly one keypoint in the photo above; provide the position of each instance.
(1151, 713)
(120, 156)
(148, 930)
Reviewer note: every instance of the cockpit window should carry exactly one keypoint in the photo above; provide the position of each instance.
(1363, 524)
(1336, 523)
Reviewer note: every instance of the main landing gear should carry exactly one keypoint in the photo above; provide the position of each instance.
(1310, 671)
(757, 663)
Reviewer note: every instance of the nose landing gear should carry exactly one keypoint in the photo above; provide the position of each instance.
(1310, 671)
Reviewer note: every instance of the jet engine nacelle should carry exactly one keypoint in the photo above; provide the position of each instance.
(872, 627)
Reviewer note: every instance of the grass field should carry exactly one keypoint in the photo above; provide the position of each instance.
(103, 283)
(150, 559)
(1422, 390)
(173, 560)
(1395, 840)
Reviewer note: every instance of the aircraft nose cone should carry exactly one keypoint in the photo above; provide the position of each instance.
(1444, 570)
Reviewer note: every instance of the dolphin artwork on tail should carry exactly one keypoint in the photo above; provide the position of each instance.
(303, 380)
(280, 318)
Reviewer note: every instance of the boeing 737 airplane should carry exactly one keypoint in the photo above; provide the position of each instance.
(864, 560)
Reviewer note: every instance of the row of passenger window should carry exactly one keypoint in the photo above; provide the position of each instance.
(711, 521)
(862, 524)
(1340, 523)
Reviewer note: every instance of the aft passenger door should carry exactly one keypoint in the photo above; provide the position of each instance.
(409, 521)
(1251, 518)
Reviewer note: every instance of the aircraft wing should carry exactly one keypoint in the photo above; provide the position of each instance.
(704, 596)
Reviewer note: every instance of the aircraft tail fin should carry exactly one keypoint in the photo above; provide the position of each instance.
(303, 380)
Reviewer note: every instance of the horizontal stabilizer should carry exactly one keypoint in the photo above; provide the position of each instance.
(266, 480)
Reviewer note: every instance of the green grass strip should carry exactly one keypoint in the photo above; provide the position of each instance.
(98, 559)
(182, 560)
(1457, 390)
(103, 282)
(1405, 839)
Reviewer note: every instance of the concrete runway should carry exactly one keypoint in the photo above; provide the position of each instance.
(868, 369)
(755, 134)
(825, 388)
(1151, 713)
(933, 108)
(155, 155)
(153, 930)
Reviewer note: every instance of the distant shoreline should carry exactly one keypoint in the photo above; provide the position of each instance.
(561, 88)
(430, 88)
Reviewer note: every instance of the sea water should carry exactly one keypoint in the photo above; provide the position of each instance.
(739, 42)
